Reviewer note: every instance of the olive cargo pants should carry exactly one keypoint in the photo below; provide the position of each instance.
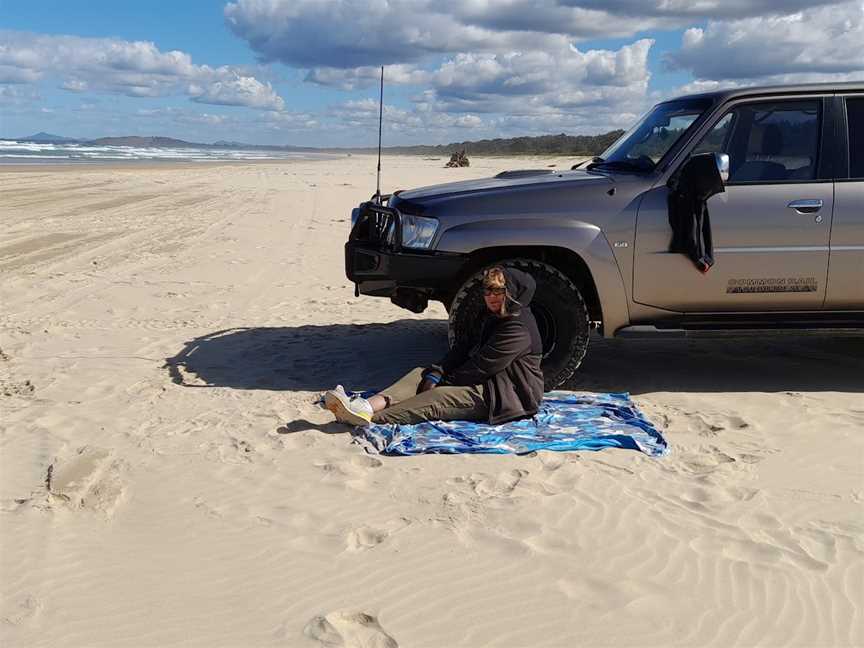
(444, 403)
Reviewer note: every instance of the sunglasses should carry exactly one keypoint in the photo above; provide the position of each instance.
(494, 291)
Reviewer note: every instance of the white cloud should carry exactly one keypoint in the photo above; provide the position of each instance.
(541, 72)
(576, 20)
(690, 9)
(181, 116)
(476, 95)
(74, 85)
(581, 89)
(12, 74)
(475, 68)
(346, 34)
(364, 77)
(561, 80)
(428, 123)
(15, 95)
(236, 90)
(502, 58)
(293, 123)
(821, 44)
(362, 115)
(132, 68)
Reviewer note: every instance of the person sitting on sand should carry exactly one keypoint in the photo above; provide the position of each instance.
(498, 381)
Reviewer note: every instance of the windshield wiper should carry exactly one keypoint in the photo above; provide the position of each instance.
(593, 160)
(624, 165)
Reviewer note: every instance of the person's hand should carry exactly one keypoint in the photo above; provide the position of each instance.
(428, 383)
(425, 385)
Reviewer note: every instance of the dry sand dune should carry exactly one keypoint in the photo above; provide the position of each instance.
(167, 479)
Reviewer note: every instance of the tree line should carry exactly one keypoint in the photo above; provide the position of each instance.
(575, 145)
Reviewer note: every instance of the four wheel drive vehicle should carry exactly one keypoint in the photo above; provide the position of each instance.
(787, 227)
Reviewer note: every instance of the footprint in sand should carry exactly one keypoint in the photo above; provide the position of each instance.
(350, 630)
(486, 486)
(25, 611)
(366, 537)
(709, 459)
(552, 461)
(88, 479)
(355, 467)
(365, 461)
(20, 389)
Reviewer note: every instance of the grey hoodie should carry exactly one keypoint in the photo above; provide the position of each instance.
(507, 361)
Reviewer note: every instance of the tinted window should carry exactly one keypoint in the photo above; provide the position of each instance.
(653, 135)
(716, 139)
(768, 142)
(855, 117)
(657, 142)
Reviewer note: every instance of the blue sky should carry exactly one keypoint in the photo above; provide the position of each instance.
(304, 71)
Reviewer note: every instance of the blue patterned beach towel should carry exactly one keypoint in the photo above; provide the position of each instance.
(566, 421)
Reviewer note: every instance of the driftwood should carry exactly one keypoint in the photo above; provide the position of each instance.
(458, 159)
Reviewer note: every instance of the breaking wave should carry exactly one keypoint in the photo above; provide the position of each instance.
(13, 152)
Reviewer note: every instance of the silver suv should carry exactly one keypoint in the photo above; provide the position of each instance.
(787, 227)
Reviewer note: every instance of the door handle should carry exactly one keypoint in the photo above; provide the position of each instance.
(806, 206)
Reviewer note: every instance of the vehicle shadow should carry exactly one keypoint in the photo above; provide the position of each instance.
(317, 357)
(770, 362)
(309, 357)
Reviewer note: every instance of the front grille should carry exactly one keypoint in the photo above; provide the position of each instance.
(376, 224)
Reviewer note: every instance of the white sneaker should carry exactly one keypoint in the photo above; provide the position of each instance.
(352, 410)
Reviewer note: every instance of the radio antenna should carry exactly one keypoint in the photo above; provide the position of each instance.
(380, 125)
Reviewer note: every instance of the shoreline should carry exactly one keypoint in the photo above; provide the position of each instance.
(325, 157)
(167, 165)
(147, 164)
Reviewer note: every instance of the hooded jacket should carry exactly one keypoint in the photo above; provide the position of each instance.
(688, 210)
(507, 360)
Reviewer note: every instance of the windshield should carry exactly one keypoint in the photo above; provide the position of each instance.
(642, 146)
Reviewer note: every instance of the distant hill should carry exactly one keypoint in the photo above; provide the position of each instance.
(569, 145)
(156, 142)
(46, 138)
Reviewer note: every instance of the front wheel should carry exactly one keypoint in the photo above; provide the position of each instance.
(558, 307)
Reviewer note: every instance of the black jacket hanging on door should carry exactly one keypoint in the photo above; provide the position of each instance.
(689, 192)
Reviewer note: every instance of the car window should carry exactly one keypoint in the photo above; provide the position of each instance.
(715, 140)
(652, 137)
(855, 118)
(768, 142)
(658, 141)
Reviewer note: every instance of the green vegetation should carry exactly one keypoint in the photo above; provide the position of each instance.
(575, 145)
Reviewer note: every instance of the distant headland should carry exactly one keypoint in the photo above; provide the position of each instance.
(562, 144)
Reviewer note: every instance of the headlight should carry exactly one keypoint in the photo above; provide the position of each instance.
(418, 231)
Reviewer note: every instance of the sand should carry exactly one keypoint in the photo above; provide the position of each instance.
(167, 479)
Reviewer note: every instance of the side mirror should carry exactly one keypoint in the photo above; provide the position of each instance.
(703, 173)
(722, 162)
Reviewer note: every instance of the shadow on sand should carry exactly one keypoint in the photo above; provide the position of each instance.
(309, 357)
(315, 358)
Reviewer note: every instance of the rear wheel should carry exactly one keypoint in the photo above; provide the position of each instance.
(558, 307)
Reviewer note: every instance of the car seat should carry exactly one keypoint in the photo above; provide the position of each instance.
(765, 170)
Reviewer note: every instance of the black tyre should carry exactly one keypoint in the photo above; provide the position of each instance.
(558, 307)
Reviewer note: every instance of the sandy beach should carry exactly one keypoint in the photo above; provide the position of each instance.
(166, 478)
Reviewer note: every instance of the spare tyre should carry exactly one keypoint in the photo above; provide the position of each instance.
(558, 307)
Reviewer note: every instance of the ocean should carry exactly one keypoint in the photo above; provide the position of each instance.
(12, 152)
